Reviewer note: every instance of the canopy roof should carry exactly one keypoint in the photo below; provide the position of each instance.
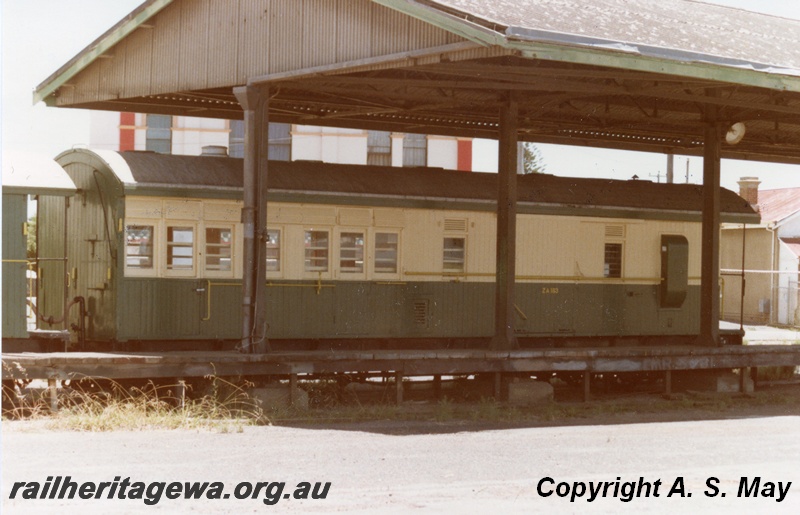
(626, 74)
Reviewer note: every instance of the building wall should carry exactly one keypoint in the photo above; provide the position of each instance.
(443, 152)
(790, 228)
(190, 135)
(786, 294)
(106, 128)
(329, 145)
(758, 286)
(117, 131)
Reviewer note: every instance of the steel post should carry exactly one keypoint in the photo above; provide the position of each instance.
(254, 102)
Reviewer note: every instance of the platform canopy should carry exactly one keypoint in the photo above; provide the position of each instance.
(623, 74)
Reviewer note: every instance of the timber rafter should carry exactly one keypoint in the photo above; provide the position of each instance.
(558, 103)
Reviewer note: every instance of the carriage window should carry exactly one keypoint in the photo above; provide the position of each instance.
(273, 250)
(316, 251)
(139, 246)
(612, 266)
(180, 248)
(454, 253)
(386, 252)
(351, 252)
(219, 249)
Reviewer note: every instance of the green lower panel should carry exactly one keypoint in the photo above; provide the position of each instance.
(189, 309)
(602, 310)
(160, 309)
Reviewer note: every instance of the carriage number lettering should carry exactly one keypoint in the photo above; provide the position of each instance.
(549, 291)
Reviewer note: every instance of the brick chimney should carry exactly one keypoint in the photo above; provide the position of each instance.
(748, 190)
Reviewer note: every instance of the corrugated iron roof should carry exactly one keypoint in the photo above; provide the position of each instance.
(779, 204)
(96, 48)
(625, 74)
(675, 30)
(151, 169)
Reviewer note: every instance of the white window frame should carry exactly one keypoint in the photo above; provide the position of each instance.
(463, 269)
(377, 274)
(203, 256)
(329, 264)
(621, 258)
(171, 272)
(340, 273)
(155, 243)
(281, 247)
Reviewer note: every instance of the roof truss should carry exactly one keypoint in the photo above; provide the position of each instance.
(559, 103)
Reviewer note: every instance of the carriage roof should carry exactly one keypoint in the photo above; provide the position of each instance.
(142, 171)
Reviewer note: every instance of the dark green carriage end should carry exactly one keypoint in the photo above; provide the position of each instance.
(674, 270)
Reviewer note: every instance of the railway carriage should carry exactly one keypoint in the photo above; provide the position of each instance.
(371, 257)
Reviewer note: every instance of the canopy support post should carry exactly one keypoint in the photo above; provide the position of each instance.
(504, 337)
(255, 102)
(709, 267)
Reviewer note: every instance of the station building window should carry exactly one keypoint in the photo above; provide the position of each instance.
(385, 258)
(139, 239)
(454, 254)
(415, 150)
(379, 148)
(317, 250)
(612, 265)
(273, 250)
(351, 252)
(158, 137)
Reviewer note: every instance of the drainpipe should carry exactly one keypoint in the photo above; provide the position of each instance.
(744, 282)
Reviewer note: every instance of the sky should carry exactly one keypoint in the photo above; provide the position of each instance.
(38, 36)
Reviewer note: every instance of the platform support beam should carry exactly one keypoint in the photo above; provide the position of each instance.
(398, 385)
(181, 393)
(668, 383)
(52, 390)
(255, 103)
(587, 382)
(504, 337)
(744, 375)
(498, 386)
(292, 389)
(709, 267)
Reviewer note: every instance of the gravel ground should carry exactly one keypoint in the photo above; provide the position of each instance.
(455, 467)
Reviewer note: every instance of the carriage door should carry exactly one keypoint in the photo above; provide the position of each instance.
(185, 293)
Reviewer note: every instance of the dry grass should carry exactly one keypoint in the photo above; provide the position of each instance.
(225, 408)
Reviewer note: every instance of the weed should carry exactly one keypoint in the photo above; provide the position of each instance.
(775, 373)
(445, 410)
(98, 405)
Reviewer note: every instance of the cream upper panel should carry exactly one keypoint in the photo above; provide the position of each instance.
(432, 244)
